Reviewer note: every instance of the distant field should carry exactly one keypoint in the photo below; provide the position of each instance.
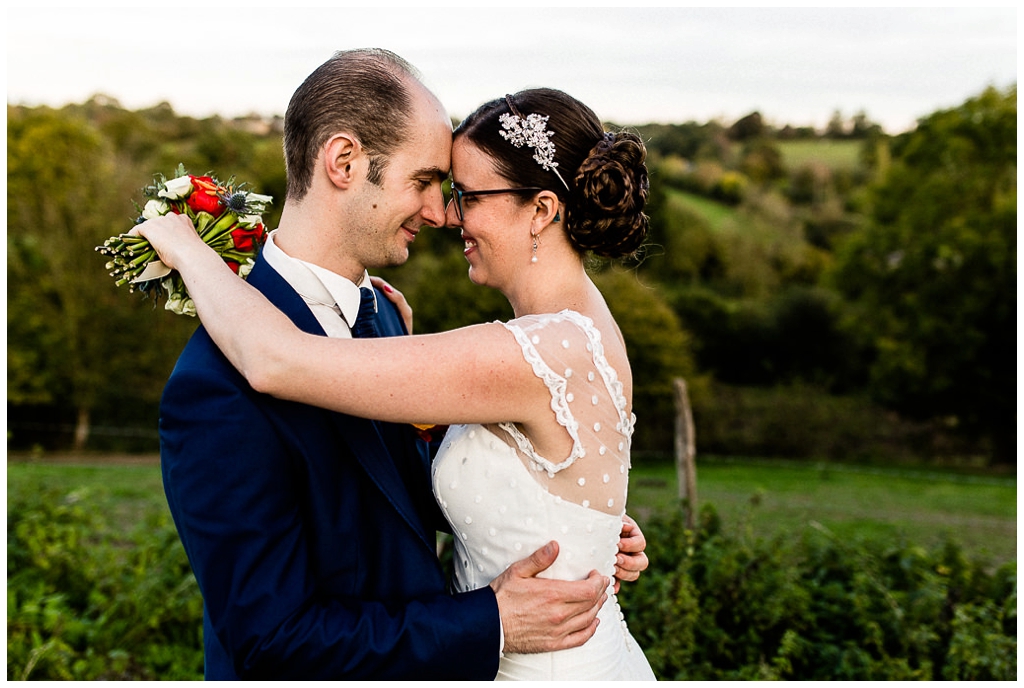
(920, 507)
(716, 214)
(768, 496)
(126, 491)
(835, 154)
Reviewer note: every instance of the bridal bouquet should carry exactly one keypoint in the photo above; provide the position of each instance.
(226, 216)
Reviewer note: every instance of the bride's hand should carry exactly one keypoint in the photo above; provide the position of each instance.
(174, 237)
(396, 297)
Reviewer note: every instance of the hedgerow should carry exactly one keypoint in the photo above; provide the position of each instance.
(89, 598)
(722, 605)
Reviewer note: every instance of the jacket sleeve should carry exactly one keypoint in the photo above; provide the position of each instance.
(238, 512)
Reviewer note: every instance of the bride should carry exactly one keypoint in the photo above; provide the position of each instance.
(540, 406)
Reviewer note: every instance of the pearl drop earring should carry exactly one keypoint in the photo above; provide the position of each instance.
(534, 258)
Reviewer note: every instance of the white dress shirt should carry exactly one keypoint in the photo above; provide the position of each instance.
(328, 295)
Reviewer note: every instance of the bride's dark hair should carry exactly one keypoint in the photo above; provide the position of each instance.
(604, 171)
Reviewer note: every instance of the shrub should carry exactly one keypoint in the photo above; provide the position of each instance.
(725, 606)
(88, 601)
(91, 599)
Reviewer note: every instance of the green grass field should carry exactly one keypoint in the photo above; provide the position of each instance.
(834, 154)
(126, 492)
(920, 507)
(768, 497)
(716, 214)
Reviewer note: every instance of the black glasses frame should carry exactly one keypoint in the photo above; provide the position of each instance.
(458, 194)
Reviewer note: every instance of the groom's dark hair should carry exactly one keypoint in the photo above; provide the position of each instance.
(364, 92)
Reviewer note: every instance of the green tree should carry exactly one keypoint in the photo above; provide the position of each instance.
(75, 341)
(680, 248)
(749, 127)
(836, 128)
(658, 348)
(761, 160)
(691, 140)
(863, 127)
(933, 273)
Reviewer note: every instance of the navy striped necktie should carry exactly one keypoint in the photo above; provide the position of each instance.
(366, 321)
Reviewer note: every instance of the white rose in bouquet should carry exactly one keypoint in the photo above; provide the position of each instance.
(177, 188)
(155, 208)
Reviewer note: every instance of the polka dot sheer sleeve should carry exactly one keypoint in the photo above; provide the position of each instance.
(587, 400)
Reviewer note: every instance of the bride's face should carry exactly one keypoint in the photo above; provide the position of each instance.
(496, 227)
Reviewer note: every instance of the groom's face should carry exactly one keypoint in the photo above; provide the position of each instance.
(409, 195)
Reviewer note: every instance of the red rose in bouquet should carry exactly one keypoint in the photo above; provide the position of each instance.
(248, 238)
(205, 196)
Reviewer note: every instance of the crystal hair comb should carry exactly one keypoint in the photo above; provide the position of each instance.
(530, 131)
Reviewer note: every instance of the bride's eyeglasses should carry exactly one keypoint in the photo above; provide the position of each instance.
(458, 194)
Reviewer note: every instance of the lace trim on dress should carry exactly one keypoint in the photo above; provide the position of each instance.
(557, 384)
(608, 374)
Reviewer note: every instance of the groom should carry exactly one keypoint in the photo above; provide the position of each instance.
(311, 533)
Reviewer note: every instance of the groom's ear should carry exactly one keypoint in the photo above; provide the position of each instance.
(344, 160)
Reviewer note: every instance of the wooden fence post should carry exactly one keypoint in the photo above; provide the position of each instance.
(686, 449)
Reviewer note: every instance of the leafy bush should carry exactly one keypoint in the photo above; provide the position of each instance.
(98, 587)
(723, 606)
(88, 601)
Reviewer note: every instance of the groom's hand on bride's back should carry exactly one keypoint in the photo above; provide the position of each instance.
(544, 615)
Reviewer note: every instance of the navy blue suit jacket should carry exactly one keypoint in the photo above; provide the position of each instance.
(311, 533)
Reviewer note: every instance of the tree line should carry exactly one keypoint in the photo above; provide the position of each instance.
(843, 293)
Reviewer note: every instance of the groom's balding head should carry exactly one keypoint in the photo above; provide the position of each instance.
(367, 93)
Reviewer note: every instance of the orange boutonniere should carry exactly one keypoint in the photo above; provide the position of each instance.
(427, 431)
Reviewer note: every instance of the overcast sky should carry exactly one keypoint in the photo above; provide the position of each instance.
(632, 66)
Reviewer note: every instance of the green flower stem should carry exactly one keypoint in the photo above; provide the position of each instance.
(224, 224)
(237, 256)
(221, 244)
(143, 259)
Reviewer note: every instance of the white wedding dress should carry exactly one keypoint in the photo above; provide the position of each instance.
(504, 501)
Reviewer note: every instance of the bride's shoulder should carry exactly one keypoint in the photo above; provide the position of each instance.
(568, 331)
(562, 320)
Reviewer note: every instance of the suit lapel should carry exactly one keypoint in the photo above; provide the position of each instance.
(361, 435)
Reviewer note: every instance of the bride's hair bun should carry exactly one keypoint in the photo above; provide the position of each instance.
(605, 207)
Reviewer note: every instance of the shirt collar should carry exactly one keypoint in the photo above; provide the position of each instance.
(316, 283)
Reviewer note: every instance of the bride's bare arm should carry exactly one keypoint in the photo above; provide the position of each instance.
(472, 375)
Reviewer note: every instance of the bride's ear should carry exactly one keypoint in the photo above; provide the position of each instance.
(546, 207)
(344, 160)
